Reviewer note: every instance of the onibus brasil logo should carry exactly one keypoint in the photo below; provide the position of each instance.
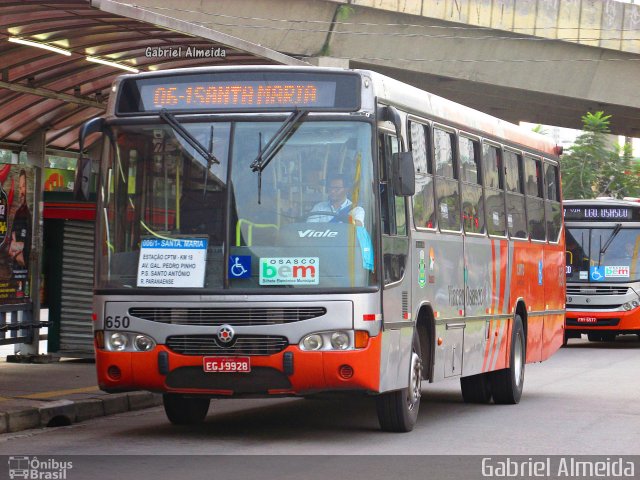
(34, 469)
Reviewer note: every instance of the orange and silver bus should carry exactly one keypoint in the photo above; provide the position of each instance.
(279, 231)
(603, 268)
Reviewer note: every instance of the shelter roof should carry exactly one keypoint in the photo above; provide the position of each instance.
(58, 92)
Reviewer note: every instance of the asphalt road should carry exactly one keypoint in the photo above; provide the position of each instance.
(585, 400)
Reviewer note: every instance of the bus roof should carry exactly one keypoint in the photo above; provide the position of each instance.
(415, 100)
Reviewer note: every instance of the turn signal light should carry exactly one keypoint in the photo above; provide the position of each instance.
(99, 337)
(361, 338)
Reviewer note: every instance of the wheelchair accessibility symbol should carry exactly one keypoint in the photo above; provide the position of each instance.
(596, 274)
(239, 266)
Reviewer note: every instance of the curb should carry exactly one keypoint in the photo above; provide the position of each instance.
(59, 413)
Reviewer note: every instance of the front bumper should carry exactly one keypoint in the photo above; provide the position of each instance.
(290, 372)
(615, 322)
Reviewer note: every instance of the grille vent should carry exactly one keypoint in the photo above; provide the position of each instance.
(217, 316)
(600, 290)
(242, 345)
(405, 304)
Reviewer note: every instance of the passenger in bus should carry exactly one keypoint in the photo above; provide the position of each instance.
(338, 208)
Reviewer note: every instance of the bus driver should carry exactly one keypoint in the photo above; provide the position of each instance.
(338, 208)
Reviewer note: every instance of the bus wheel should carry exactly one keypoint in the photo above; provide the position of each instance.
(183, 410)
(476, 388)
(506, 384)
(595, 337)
(398, 410)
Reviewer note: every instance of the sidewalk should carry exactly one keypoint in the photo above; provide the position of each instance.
(61, 393)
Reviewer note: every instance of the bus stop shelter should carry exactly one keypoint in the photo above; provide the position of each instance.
(57, 62)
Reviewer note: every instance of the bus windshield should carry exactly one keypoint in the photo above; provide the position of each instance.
(184, 206)
(609, 254)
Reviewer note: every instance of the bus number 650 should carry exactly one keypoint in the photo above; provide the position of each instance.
(116, 322)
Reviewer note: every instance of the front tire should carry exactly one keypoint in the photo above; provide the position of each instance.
(183, 410)
(398, 410)
(507, 384)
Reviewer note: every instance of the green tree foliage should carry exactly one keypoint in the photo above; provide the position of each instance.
(591, 168)
(581, 166)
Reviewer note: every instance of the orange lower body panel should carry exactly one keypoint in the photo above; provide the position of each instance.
(311, 372)
(626, 321)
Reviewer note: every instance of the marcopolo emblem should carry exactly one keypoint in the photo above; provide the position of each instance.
(225, 334)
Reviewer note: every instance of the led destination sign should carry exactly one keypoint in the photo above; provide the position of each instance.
(603, 214)
(246, 94)
(240, 91)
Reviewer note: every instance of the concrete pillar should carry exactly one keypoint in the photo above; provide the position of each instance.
(329, 62)
(35, 148)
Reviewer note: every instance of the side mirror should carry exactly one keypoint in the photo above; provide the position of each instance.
(84, 167)
(404, 175)
(392, 115)
(82, 182)
(94, 125)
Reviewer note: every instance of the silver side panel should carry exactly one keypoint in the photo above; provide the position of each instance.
(395, 358)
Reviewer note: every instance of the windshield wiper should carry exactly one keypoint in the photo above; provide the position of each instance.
(190, 139)
(284, 132)
(275, 144)
(615, 232)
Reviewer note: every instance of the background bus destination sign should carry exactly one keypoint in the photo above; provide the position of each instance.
(234, 93)
(605, 214)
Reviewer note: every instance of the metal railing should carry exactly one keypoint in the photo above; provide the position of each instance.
(17, 326)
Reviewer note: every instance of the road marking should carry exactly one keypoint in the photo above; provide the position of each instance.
(58, 393)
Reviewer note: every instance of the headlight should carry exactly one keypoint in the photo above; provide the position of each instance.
(144, 343)
(328, 341)
(312, 342)
(117, 342)
(127, 342)
(340, 340)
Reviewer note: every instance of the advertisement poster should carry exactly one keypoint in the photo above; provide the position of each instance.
(16, 229)
(58, 180)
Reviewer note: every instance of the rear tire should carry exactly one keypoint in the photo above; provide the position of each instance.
(507, 384)
(398, 410)
(595, 337)
(183, 410)
(476, 388)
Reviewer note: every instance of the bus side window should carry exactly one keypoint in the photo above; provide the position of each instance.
(447, 187)
(552, 202)
(514, 182)
(384, 156)
(535, 202)
(494, 189)
(423, 200)
(471, 173)
(394, 222)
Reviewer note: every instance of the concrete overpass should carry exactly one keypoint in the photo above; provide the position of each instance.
(541, 61)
